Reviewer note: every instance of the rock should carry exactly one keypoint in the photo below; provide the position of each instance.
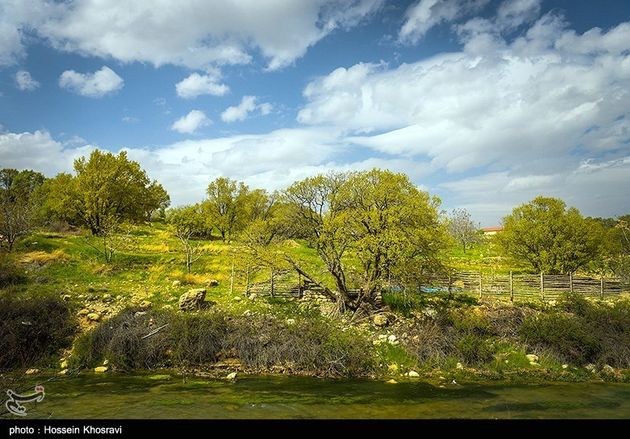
(231, 376)
(532, 358)
(290, 322)
(413, 374)
(380, 320)
(192, 300)
(101, 369)
(139, 313)
(591, 368)
(31, 371)
(105, 362)
(63, 364)
(237, 298)
(565, 366)
(608, 369)
(94, 317)
(392, 381)
(176, 283)
(213, 283)
(252, 296)
(391, 338)
(460, 366)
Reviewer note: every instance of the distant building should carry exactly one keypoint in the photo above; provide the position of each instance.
(488, 231)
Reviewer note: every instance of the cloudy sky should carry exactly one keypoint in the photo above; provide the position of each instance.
(485, 103)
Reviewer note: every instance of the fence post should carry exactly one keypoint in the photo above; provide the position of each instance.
(601, 287)
(232, 280)
(480, 286)
(511, 287)
(272, 282)
(542, 286)
(571, 281)
(247, 280)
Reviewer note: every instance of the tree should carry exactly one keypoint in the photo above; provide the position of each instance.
(231, 206)
(462, 228)
(377, 218)
(187, 222)
(106, 186)
(19, 198)
(550, 237)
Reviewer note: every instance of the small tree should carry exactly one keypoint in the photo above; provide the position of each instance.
(185, 222)
(19, 199)
(550, 237)
(462, 228)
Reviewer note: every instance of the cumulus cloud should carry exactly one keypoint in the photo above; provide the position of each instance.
(425, 14)
(25, 81)
(191, 122)
(196, 85)
(191, 33)
(93, 85)
(242, 110)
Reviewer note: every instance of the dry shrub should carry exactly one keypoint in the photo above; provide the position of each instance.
(43, 258)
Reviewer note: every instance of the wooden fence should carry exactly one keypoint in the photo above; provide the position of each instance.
(527, 286)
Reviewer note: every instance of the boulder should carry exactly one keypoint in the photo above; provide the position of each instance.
(608, 369)
(413, 374)
(192, 300)
(392, 381)
(231, 376)
(101, 369)
(591, 368)
(532, 358)
(290, 322)
(380, 320)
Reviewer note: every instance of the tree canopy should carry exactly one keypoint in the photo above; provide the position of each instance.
(550, 237)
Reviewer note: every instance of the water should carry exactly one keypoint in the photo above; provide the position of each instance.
(164, 396)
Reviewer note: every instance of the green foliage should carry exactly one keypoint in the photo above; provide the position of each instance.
(32, 329)
(10, 273)
(107, 189)
(550, 237)
(475, 349)
(20, 196)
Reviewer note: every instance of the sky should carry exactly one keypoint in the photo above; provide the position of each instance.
(484, 103)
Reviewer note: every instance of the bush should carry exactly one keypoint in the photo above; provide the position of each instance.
(310, 345)
(31, 329)
(10, 273)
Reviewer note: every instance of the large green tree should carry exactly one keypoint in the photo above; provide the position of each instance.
(367, 227)
(106, 189)
(550, 237)
(20, 196)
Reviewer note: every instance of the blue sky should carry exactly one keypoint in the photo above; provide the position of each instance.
(484, 103)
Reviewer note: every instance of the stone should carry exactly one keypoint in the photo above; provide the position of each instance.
(380, 320)
(391, 338)
(252, 296)
(608, 369)
(139, 313)
(413, 374)
(231, 376)
(94, 317)
(192, 300)
(176, 283)
(105, 362)
(532, 358)
(565, 366)
(237, 298)
(32, 371)
(290, 322)
(101, 369)
(213, 283)
(392, 381)
(460, 366)
(591, 368)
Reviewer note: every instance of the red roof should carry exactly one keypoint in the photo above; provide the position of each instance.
(492, 229)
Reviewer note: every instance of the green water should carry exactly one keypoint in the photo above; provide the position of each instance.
(161, 396)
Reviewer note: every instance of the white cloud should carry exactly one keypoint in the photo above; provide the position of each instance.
(247, 105)
(513, 13)
(93, 85)
(191, 122)
(25, 81)
(191, 33)
(425, 14)
(40, 152)
(196, 85)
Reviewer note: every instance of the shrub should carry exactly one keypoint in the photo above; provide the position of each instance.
(33, 328)
(10, 274)
(474, 349)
